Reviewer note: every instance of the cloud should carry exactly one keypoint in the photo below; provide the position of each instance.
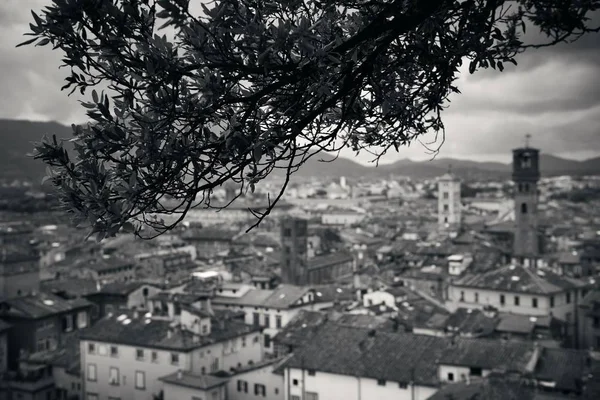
(553, 94)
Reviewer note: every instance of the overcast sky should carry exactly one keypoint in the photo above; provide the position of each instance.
(554, 94)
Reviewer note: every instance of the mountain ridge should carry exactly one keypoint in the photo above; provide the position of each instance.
(17, 138)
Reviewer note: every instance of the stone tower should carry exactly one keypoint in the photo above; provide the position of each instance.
(526, 174)
(449, 203)
(294, 246)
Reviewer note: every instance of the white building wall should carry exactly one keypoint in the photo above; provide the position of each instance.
(342, 387)
(137, 300)
(459, 373)
(493, 298)
(378, 297)
(264, 376)
(127, 364)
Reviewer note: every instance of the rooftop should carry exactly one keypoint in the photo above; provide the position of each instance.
(371, 354)
(72, 287)
(152, 333)
(327, 260)
(471, 322)
(564, 367)
(490, 354)
(284, 296)
(301, 328)
(40, 305)
(187, 379)
(520, 279)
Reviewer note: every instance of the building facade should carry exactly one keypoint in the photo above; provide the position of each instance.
(294, 250)
(449, 203)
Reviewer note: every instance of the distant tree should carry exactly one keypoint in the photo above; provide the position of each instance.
(250, 86)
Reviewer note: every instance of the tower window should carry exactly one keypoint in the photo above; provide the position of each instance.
(446, 208)
(526, 187)
(526, 161)
(524, 208)
(446, 195)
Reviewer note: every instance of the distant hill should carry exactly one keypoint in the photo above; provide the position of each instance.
(17, 137)
(16, 141)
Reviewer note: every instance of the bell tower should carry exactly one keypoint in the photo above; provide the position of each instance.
(525, 175)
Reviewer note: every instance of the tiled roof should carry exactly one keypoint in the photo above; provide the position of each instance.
(66, 356)
(301, 328)
(284, 296)
(371, 354)
(109, 264)
(520, 279)
(328, 260)
(152, 333)
(187, 379)
(488, 354)
(485, 389)
(471, 321)
(512, 323)
(365, 321)
(121, 288)
(209, 233)
(562, 366)
(71, 286)
(42, 305)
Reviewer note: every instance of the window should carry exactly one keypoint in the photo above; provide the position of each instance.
(91, 396)
(240, 385)
(260, 390)
(91, 348)
(140, 380)
(68, 323)
(381, 382)
(113, 376)
(402, 385)
(91, 373)
(214, 366)
(203, 371)
(517, 300)
(476, 297)
(311, 372)
(256, 319)
(174, 358)
(523, 208)
(82, 319)
(446, 195)
(446, 208)
(278, 323)
(204, 329)
(525, 162)
(568, 297)
(295, 382)
(114, 351)
(267, 341)
(312, 396)
(276, 391)
(267, 321)
(596, 322)
(502, 300)
(139, 354)
(243, 341)
(462, 296)
(256, 339)
(154, 356)
(551, 301)
(534, 302)
(473, 371)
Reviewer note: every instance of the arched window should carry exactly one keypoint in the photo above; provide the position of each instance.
(524, 208)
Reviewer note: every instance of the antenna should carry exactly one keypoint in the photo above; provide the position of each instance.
(527, 139)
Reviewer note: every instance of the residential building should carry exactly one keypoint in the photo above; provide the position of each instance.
(133, 355)
(294, 248)
(19, 270)
(521, 290)
(263, 380)
(121, 295)
(269, 309)
(342, 217)
(40, 322)
(105, 270)
(186, 385)
(589, 321)
(526, 174)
